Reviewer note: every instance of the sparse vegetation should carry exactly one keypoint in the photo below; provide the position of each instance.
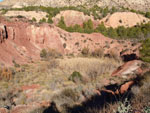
(49, 54)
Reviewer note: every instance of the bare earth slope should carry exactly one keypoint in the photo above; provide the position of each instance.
(134, 4)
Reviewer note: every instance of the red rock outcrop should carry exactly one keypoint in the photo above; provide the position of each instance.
(128, 68)
(23, 41)
(126, 75)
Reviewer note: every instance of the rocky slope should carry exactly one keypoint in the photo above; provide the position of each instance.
(138, 4)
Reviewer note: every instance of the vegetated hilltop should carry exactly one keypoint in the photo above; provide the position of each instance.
(133, 4)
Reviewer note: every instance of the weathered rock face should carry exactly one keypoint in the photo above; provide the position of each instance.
(22, 42)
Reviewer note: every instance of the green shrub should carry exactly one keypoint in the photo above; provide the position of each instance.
(43, 53)
(42, 20)
(102, 29)
(112, 32)
(61, 23)
(145, 51)
(88, 26)
(147, 14)
(76, 77)
(122, 32)
(34, 19)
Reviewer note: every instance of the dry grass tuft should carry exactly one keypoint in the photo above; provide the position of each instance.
(6, 73)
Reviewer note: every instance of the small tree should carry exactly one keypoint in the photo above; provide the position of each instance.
(34, 19)
(50, 19)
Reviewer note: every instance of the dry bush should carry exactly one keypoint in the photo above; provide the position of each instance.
(6, 73)
(66, 98)
(85, 51)
(114, 54)
(141, 93)
(50, 54)
(98, 52)
(53, 64)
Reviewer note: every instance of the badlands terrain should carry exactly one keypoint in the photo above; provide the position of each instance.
(58, 57)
